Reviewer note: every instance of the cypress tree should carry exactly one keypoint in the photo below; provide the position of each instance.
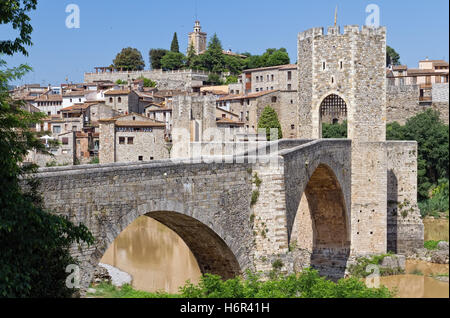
(174, 47)
(269, 120)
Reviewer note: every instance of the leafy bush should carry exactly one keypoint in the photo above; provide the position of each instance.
(438, 201)
(308, 284)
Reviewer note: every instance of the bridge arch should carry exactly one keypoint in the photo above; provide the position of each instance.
(322, 225)
(206, 240)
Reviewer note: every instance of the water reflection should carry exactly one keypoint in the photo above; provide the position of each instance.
(155, 256)
(419, 286)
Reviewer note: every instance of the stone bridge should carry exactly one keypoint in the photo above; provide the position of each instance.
(300, 212)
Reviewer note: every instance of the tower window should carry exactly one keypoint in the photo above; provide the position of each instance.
(324, 65)
(341, 65)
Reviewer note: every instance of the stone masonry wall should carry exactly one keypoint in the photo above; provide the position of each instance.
(208, 205)
(405, 230)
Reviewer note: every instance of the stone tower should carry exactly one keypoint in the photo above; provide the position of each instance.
(344, 75)
(197, 39)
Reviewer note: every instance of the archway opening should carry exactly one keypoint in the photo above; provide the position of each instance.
(333, 117)
(321, 229)
(162, 250)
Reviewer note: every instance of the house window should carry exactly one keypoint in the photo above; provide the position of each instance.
(71, 100)
(292, 127)
(110, 99)
(292, 102)
(151, 158)
(272, 78)
(341, 65)
(324, 65)
(119, 100)
(257, 90)
(289, 75)
(56, 129)
(121, 140)
(274, 99)
(49, 113)
(141, 158)
(130, 140)
(78, 142)
(248, 101)
(79, 99)
(65, 140)
(289, 87)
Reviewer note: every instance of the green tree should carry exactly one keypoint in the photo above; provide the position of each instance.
(190, 56)
(129, 59)
(268, 121)
(213, 59)
(174, 46)
(234, 64)
(155, 58)
(277, 57)
(392, 57)
(173, 61)
(214, 79)
(432, 136)
(16, 13)
(34, 244)
(334, 131)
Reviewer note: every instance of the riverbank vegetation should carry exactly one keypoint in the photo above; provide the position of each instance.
(359, 270)
(307, 284)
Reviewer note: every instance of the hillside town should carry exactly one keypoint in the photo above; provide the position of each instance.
(114, 117)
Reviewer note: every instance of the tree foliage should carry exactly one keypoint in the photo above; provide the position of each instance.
(173, 61)
(334, 131)
(432, 137)
(272, 57)
(392, 57)
(16, 13)
(174, 46)
(129, 59)
(155, 58)
(269, 120)
(35, 244)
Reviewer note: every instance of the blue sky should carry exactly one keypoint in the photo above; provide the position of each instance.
(416, 29)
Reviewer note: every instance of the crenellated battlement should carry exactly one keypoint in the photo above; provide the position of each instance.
(336, 31)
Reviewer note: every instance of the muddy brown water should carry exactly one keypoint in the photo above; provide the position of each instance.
(155, 256)
(417, 283)
(436, 229)
(159, 260)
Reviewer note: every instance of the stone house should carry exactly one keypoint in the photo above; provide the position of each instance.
(118, 100)
(250, 107)
(131, 138)
(281, 77)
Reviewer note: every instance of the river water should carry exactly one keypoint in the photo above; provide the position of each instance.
(155, 256)
(159, 260)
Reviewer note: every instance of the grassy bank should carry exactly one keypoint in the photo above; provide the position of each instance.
(307, 284)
